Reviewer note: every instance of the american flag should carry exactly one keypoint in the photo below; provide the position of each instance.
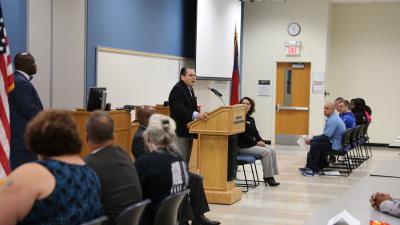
(6, 85)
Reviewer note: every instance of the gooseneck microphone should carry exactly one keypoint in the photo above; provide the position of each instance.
(216, 93)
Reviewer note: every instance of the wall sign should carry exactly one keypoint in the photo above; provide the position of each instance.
(264, 87)
(293, 48)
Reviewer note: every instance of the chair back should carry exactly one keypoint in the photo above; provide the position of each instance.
(97, 221)
(132, 214)
(365, 132)
(358, 133)
(167, 209)
(346, 140)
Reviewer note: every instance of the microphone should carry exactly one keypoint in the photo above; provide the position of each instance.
(217, 93)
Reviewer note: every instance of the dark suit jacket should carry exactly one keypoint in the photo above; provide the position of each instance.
(138, 146)
(120, 185)
(24, 105)
(182, 105)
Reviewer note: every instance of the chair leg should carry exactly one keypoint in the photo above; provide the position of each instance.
(245, 179)
(254, 178)
(258, 179)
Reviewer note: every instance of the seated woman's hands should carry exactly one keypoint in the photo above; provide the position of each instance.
(261, 143)
(377, 198)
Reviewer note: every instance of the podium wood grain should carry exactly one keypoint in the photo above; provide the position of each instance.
(122, 132)
(212, 152)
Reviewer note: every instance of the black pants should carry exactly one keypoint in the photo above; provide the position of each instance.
(316, 159)
(196, 203)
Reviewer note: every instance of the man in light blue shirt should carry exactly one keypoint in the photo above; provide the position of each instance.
(321, 145)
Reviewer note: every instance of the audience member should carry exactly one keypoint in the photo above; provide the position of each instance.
(162, 171)
(59, 188)
(251, 142)
(346, 115)
(198, 201)
(368, 113)
(357, 106)
(385, 203)
(24, 105)
(120, 185)
(138, 146)
(321, 145)
(336, 103)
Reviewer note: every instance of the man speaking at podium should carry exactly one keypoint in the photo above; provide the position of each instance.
(183, 107)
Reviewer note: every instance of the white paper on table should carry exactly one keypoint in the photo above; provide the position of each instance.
(344, 218)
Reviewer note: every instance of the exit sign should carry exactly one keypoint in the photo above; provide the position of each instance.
(293, 48)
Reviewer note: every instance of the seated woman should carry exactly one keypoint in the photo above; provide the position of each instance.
(163, 171)
(59, 188)
(250, 142)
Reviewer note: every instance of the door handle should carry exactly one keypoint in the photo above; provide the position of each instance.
(277, 107)
(293, 108)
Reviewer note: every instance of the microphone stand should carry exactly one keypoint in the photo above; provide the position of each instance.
(220, 99)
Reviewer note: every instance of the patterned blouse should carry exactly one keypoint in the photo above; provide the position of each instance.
(74, 200)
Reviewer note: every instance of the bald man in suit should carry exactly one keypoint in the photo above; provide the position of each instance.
(24, 105)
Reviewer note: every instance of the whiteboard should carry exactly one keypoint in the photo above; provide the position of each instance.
(136, 78)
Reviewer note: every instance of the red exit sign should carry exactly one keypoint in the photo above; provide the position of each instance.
(293, 48)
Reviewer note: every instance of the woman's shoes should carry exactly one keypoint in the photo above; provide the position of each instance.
(270, 181)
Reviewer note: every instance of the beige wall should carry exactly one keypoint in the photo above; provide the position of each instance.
(264, 35)
(364, 62)
(56, 38)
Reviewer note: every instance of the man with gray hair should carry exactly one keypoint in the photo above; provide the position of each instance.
(118, 190)
(321, 145)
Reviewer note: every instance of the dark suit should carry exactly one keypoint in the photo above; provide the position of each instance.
(198, 201)
(182, 104)
(24, 105)
(120, 185)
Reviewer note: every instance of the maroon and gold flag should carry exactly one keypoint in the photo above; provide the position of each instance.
(235, 75)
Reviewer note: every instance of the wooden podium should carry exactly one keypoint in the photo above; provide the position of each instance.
(122, 123)
(212, 145)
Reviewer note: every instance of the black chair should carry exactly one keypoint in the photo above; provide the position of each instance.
(256, 157)
(343, 166)
(97, 221)
(132, 214)
(366, 138)
(357, 157)
(167, 209)
(246, 160)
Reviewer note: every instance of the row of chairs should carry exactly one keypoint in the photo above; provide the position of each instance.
(355, 150)
(167, 212)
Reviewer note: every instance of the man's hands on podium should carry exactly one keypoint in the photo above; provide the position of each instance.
(202, 116)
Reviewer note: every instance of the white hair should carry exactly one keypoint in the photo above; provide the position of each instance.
(160, 133)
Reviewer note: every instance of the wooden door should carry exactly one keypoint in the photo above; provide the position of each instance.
(292, 101)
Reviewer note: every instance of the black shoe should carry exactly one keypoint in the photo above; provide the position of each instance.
(270, 181)
(203, 220)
